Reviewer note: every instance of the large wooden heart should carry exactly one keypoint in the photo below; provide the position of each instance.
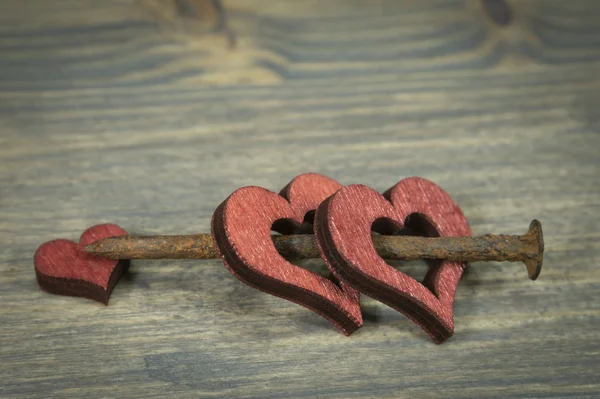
(62, 267)
(344, 224)
(241, 229)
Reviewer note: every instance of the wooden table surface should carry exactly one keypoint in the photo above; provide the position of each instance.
(137, 113)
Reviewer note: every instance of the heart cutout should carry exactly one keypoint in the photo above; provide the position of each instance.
(63, 268)
(241, 229)
(344, 224)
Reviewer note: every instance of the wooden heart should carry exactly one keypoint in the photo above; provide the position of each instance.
(344, 224)
(62, 267)
(241, 229)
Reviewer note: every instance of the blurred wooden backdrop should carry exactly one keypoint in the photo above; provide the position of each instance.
(138, 112)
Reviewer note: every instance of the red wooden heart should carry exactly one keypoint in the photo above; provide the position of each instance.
(241, 229)
(62, 267)
(344, 224)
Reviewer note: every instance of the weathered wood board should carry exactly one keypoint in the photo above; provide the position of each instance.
(135, 112)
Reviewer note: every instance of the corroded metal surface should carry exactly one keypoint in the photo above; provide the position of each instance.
(527, 248)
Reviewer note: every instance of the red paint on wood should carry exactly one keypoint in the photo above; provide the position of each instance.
(241, 229)
(62, 267)
(344, 224)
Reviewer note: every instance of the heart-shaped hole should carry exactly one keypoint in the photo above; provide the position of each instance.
(415, 225)
(288, 226)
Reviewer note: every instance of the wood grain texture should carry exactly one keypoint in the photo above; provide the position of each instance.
(110, 114)
(241, 229)
(343, 226)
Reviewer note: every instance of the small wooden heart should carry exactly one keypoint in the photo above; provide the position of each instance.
(63, 268)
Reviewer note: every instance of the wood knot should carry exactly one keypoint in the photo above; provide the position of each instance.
(498, 11)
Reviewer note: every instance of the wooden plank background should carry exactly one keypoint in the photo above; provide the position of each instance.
(137, 112)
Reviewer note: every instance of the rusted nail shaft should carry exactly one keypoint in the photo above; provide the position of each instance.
(527, 248)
